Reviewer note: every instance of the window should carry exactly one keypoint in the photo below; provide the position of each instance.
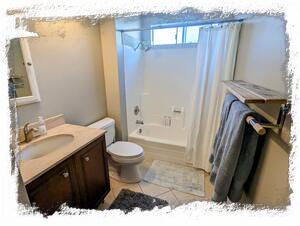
(174, 35)
(192, 34)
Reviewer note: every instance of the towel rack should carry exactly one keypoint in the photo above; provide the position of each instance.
(256, 126)
(250, 93)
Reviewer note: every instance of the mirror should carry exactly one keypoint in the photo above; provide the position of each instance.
(22, 81)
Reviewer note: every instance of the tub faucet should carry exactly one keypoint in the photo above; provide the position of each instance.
(139, 122)
(167, 121)
(28, 133)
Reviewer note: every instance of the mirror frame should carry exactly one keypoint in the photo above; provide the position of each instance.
(35, 94)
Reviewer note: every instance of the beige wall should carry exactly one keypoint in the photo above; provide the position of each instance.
(68, 66)
(260, 60)
(114, 80)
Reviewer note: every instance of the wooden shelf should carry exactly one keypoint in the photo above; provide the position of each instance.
(250, 93)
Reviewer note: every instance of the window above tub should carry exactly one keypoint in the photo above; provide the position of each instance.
(174, 36)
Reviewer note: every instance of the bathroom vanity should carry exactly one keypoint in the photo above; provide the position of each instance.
(75, 173)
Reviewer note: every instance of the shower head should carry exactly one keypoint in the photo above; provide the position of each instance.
(140, 43)
(146, 48)
(142, 46)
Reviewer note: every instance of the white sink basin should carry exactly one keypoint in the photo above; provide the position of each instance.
(44, 146)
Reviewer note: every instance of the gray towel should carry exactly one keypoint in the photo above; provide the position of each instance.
(233, 154)
(244, 165)
(228, 100)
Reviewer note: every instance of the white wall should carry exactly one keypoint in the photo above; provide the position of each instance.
(156, 80)
(168, 78)
(68, 66)
(260, 60)
(133, 76)
(133, 83)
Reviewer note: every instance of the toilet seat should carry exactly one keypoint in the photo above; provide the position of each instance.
(125, 150)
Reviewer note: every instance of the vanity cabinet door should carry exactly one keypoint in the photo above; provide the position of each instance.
(92, 172)
(54, 188)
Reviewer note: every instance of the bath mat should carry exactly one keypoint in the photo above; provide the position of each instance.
(128, 200)
(176, 176)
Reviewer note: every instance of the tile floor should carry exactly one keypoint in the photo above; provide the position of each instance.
(173, 197)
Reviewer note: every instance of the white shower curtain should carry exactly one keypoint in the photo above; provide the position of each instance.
(216, 53)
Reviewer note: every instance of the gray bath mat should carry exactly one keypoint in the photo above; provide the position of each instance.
(176, 176)
(128, 200)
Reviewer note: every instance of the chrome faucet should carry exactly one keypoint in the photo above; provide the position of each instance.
(28, 133)
(167, 120)
(140, 122)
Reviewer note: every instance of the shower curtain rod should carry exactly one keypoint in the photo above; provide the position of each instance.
(182, 25)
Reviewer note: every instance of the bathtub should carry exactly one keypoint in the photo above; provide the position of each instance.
(160, 142)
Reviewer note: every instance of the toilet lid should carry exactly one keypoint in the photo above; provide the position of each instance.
(125, 149)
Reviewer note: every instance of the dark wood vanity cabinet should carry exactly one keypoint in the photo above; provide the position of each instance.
(81, 181)
(54, 188)
(92, 173)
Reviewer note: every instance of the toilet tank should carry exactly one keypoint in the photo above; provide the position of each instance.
(107, 124)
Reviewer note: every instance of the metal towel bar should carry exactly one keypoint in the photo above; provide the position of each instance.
(260, 127)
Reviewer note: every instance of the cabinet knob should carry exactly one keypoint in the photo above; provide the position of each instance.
(65, 174)
(87, 158)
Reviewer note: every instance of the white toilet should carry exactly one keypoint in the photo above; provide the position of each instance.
(126, 156)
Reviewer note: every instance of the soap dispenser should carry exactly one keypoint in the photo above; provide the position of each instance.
(42, 126)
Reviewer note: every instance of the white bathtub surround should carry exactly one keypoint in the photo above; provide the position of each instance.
(176, 176)
(168, 75)
(216, 54)
(160, 142)
(159, 82)
(133, 84)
